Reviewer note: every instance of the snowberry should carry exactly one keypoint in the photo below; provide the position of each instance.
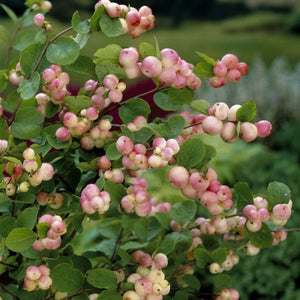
(39, 19)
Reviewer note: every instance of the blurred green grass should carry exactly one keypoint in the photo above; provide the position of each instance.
(247, 37)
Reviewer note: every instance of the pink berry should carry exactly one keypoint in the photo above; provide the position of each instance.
(70, 119)
(230, 60)
(263, 128)
(33, 272)
(39, 19)
(248, 131)
(220, 69)
(63, 134)
(129, 56)
(233, 75)
(242, 67)
(229, 132)
(124, 145)
(46, 171)
(113, 10)
(151, 66)
(212, 125)
(179, 176)
(169, 57)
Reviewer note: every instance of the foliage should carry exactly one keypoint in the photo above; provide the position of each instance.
(99, 201)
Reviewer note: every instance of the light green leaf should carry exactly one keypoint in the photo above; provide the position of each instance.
(202, 257)
(112, 153)
(162, 101)
(29, 87)
(246, 112)
(24, 39)
(278, 193)
(206, 58)
(146, 49)
(110, 27)
(94, 21)
(20, 239)
(63, 51)
(4, 35)
(201, 106)
(110, 52)
(181, 96)
(10, 13)
(83, 65)
(79, 26)
(77, 103)
(204, 70)
(107, 67)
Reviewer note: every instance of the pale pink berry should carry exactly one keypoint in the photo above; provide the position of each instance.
(133, 17)
(124, 145)
(254, 226)
(263, 128)
(151, 66)
(282, 211)
(167, 76)
(46, 171)
(242, 67)
(212, 125)
(178, 176)
(131, 295)
(248, 131)
(209, 198)
(113, 10)
(39, 19)
(115, 95)
(70, 119)
(49, 75)
(233, 75)
(129, 56)
(51, 244)
(14, 78)
(260, 202)
(63, 134)
(217, 82)
(133, 71)
(179, 82)
(161, 261)
(46, 6)
(229, 132)
(30, 166)
(3, 146)
(143, 209)
(143, 287)
(169, 57)
(33, 272)
(29, 285)
(44, 282)
(230, 60)
(215, 268)
(198, 182)
(220, 69)
(232, 112)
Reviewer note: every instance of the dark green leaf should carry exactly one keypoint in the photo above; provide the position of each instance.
(115, 190)
(244, 195)
(94, 21)
(63, 51)
(106, 67)
(3, 129)
(191, 281)
(181, 295)
(219, 255)
(20, 239)
(183, 212)
(133, 108)
(111, 27)
(102, 278)
(278, 193)
(10, 13)
(172, 127)
(109, 295)
(221, 282)
(260, 239)
(246, 112)
(202, 257)
(112, 153)
(66, 279)
(191, 153)
(28, 217)
(83, 65)
(7, 224)
(24, 39)
(178, 241)
(110, 227)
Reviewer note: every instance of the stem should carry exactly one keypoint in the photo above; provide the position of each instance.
(10, 46)
(292, 229)
(113, 257)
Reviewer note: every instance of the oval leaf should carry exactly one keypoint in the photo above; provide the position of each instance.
(20, 239)
(63, 51)
(247, 112)
(133, 108)
(183, 212)
(102, 278)
(110, 27)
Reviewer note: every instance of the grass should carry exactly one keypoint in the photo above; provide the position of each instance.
(214, 39)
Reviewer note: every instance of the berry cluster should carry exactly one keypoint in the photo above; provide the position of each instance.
(35, 172)
(92, 200)
(133, 21)
(231, 260)
(228, 69)
(37, 277)
(56, 81)
(54, 200)
(228, 294)
(149, 280)
(56, 228)
(170, 69)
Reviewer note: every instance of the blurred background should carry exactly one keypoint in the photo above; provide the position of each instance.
(265, 34)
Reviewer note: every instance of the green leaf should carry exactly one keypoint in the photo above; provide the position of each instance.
(3, 129)
(66, 279)
(3, 80)
(133, 108)
(42, 229)
(210, 153)
(204, 70)
(10, 13)
(89, 165)
(109, 227)
(146, 228)
(24, 39)
(107, 67)
(206, 58)
(181, 295)
(79, 26)
(11, 101)
(172, 127)
(201, 106)
(4, 35)
(176, 241)
(278, 193)
(163, 219)
(112, 153)
(102, 278)
(146, 49)
(183, 212)
(210, 242)
(49, 131)
(162, 101)
(218, 255)
(28, 123)
(82, 39)
(29, 87)
(110, 27)
(191, 281)
(246, 112)
(221, 282)
(115, 190)
(202, 257)
(110, 52)
(20, 239)
(181, 96)
(109, 295)
(63, 51)
(94, 21)
(259, 239)
(77, 103)
(12, 159)
(7, 224)
(28, 217)
(100, 182)
(83, 65)
(191, 153)
(244, 195)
